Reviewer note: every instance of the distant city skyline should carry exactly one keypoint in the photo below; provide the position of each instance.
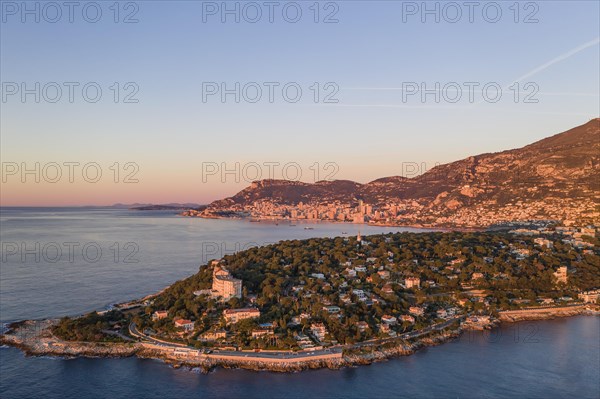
(379, 94)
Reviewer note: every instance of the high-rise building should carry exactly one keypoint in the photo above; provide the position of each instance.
(358, 218)
(225, 285)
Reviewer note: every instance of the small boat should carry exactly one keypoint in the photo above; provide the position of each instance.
(308, 228)
(343, 232)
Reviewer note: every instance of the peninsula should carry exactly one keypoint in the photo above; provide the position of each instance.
(335, 302)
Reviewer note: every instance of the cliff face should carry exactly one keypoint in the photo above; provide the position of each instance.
(292, 192)
(563, 170)
(566, 165)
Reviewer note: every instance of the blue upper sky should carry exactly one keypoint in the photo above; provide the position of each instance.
(374, 58)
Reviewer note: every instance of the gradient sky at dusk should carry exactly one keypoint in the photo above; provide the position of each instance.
(370, 54)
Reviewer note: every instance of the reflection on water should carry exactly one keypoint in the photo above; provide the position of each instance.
(564, 363)
(87, 258)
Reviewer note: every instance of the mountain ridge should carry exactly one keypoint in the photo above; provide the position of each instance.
(564, 167)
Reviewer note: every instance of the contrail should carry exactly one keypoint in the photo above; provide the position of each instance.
(534, 71)
(558, 59)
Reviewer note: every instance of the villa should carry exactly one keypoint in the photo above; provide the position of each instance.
(235, 315)
(159, 315)
(187, 325)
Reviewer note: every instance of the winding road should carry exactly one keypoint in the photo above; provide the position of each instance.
(304, 355)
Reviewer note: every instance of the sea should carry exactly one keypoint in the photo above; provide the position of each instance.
(69, 261)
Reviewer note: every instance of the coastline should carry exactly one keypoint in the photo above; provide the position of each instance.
(316, 221)
(547, 313)
(34, 338)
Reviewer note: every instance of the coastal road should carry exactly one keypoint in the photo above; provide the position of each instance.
(409, 335)
(280, 355)
(296, 355)
(133, 330)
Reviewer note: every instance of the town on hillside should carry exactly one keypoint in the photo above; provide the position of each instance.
(418, 213)
(476, 192)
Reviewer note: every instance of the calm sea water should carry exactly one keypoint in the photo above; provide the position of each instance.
(42, 277)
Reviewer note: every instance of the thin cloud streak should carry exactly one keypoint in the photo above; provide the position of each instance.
(534, 71)
(560, 58)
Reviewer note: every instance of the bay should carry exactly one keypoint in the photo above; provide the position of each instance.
(545, 359)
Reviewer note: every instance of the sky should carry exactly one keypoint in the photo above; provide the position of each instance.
(188, 101)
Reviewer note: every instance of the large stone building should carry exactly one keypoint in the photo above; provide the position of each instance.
(590, 296)
(225, 285)
(235, 315)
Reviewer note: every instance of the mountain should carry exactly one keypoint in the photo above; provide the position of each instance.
(139, 206)
(166, 207)
(292, 192)
(554, 178)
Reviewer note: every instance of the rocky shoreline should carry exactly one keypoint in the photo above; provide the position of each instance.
(547, 313)
(367, 357)
(34, 338)
(436, 227)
